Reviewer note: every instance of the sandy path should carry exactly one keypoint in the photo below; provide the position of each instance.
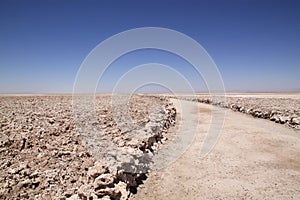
(253, 159)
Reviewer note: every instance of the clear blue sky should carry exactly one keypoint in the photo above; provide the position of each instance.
(255, 44)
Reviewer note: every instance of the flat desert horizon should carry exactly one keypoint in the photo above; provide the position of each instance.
(149, 100)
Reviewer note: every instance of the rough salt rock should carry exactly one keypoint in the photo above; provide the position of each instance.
(106, 198)
(283, 119)
(134, 142)
(97, 170)
(85, 191)
(64, 153)
(153, 127)
(17, 170)
(24, 183)
(242, 109)
(74, 197)
(62, 168)
(113, 193)
(51, 120)
(24, 195)
(128, 178)
(273, 118)
(103, 180)
(296, 120)
(122, 187)
(248, 111)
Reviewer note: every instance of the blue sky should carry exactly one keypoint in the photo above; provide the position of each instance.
(255, 44)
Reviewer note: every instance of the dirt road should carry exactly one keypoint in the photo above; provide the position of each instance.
(253, 159)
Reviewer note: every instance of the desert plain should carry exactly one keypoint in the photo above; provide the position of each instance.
(46, 155)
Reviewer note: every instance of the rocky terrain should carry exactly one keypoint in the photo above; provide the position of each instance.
(44, 156)
(280, 109)
(48, 152)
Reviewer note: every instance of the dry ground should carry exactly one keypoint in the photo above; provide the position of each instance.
(43, 157)
(253, 159)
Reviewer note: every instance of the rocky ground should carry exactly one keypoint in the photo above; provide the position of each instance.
(47, 154)
(283, 109)
(43, 156)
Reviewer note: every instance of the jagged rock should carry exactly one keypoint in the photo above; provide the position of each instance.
(24, 183)
(242, 109)
(274, 118)
(75, 197)
(113, 193)
(17, 170)
(64, 153)
(97, 170)
(69, 192)
(106, 198)
(122, 187)
(24, 195)
(296, 120)
(51, 121)
(103, 180)
(43, 150)
(283, 119)
(128, 178)
(85, 191)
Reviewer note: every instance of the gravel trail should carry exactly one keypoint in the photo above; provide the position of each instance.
(253, 159)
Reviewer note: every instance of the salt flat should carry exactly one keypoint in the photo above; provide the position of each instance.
(44, 156)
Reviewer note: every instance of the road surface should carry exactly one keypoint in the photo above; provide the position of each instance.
(253, 159)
